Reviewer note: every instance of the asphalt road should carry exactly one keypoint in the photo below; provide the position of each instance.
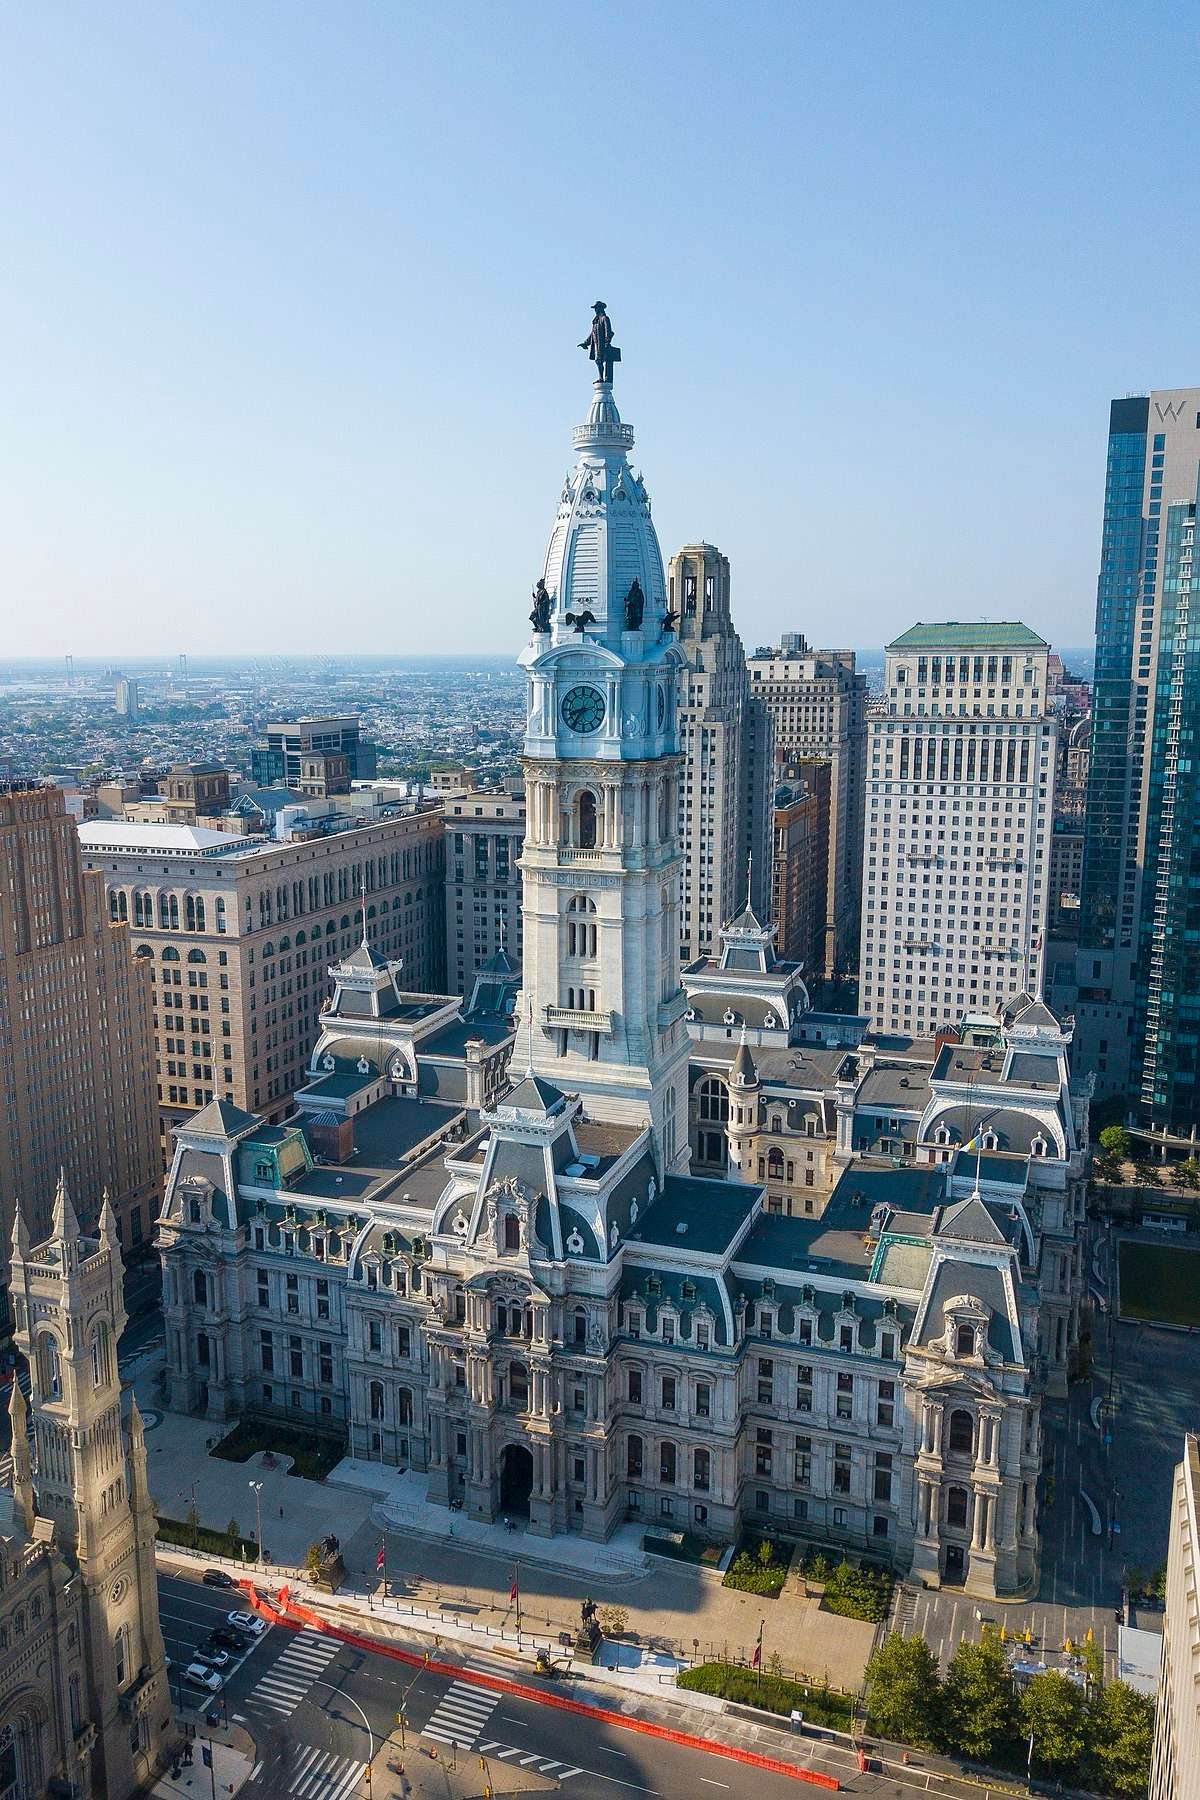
(319, 1710)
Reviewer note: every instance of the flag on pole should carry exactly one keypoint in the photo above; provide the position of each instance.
(756, 1659)
(512, 1590)
(381, 1559)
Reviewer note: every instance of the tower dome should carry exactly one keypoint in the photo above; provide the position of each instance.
(603, 538)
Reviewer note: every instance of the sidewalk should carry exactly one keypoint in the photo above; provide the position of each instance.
(233, 1760)
(452, 1575)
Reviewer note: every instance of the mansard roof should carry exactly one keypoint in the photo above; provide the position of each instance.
(970, 1222)
(220, 1118)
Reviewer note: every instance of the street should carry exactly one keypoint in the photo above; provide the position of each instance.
(319, 1711)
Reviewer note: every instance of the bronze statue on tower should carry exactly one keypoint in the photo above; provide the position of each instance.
(599, 343)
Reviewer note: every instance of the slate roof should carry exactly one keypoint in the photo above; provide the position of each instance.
(534, 1094)
(982, 1283)
(711, 1214)
(969, 1222)
(220, 1118)
(906, 1088)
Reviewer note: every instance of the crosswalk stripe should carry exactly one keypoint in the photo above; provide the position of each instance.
(446, 1737)
(274, 1684)
(318, 1656)
(303, 1766)
(352, 1778)
(459, 1709)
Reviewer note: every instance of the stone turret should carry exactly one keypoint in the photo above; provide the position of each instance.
(743, 1109)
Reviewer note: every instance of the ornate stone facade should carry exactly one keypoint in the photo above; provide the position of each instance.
(83, 1685)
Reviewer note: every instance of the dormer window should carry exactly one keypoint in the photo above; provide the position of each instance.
(990, 1141)
(964, 1340)
(1039, 1146)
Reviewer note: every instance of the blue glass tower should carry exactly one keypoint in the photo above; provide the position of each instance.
(1137, 961)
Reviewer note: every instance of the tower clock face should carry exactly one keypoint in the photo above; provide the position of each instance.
(583, 708)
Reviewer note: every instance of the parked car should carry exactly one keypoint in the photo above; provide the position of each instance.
(216, 1659)
(227, 1639)
(217, 1578)
(198, 1674)
(244, 1621)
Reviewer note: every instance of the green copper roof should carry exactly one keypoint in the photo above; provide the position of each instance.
(974, 634)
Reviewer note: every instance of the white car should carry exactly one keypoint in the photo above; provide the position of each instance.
(250, 1622)
(201, 1676)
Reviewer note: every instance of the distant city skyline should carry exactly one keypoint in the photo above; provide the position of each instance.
(298, 312)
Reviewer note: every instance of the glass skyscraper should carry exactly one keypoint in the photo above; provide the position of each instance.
(1136, 960)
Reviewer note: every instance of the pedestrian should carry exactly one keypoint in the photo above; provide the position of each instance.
(281, 1512)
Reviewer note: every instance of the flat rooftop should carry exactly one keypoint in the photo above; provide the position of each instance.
(691, 1214)
(839, 1243)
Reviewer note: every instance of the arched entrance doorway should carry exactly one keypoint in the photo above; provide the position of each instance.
(516, 1480)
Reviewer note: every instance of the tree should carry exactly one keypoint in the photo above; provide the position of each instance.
(233, 1534)
(1121, 1728)
(1053, 1710)
(192, 1521)
(1114, 1145)
(313, 1560)
(904, 1691)
(980, 1708)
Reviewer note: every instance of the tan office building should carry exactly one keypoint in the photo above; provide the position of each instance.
(818, 706)
(1175, 1767)
(76, 1033)
(484, 836)
(724, 793)
(239, 932)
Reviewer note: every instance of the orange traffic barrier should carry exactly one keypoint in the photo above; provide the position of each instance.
(285, 1610)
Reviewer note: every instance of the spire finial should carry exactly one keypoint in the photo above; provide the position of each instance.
(20, 1233)
(64, 1226)
(109, 1235)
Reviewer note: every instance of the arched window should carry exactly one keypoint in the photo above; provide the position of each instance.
(960, 1439)
(48, 1372)
(775, 1165)
(581, 926)
(170, 954)
(404, 1406)
(377, 1399)
(668, 1461)
(200, 1288)
(586, 819)
(195, 956)
(713, 1100)
(964, 1340)
(701, 1467)
(139, 910)
(101, 1356)
(957, 1502)
(203, 1352)
(121, 1654)
(173, 911)
(189, 906)
(268, 949)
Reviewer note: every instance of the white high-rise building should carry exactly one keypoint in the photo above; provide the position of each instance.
(959, 805)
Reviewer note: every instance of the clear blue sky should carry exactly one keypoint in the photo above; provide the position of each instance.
(291, 295)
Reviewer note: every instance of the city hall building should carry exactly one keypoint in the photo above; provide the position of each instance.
(483, 1249)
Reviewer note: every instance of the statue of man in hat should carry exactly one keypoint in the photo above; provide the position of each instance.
(599, 343)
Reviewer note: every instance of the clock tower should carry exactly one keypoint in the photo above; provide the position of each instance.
(602, 1010)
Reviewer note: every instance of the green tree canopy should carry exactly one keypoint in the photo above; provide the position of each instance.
(1114, 1144)
(1054, 1710)
(904, 1691)
(980, 1706)
(1121, 1729)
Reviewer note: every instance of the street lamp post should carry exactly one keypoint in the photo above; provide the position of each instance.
(258, 1488)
